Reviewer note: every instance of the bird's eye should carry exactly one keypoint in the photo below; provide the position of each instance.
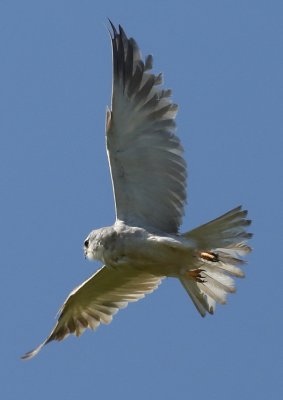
(86, 243)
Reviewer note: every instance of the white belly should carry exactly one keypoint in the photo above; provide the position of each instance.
(159, 255)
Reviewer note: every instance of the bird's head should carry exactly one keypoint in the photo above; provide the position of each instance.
(93, 245)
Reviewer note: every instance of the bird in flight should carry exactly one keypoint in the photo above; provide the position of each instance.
(144, 245)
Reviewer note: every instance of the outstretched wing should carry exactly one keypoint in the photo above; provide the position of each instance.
(97, 299)
(147, 167)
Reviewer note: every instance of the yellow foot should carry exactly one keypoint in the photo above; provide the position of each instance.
(209, 256)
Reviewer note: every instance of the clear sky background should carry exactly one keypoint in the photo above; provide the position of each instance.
(224, 62)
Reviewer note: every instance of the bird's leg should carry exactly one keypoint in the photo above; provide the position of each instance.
(195, 275)
(209, 256)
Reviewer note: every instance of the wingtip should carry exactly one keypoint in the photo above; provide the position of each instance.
(32, 353)
(114, 32)
(122, 32)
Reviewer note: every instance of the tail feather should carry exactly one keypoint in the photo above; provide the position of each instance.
(221, 244)
(224, 231)
(212, 292)
(200, 300)
(220, 281)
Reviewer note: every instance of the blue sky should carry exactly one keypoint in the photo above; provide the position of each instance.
(223, 60)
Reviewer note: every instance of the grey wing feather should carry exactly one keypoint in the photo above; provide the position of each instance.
(228, 229)
(146, 157)
(97, 299)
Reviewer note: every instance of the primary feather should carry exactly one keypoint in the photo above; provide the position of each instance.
(149, 183)
(145, 155)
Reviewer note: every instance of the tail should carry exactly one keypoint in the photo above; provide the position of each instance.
(220, 244)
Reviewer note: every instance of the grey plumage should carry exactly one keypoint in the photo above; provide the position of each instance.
(149, 182)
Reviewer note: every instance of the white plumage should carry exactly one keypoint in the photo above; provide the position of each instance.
(149, 181)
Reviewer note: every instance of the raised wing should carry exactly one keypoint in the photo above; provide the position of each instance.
(147, 167)
(97, 299)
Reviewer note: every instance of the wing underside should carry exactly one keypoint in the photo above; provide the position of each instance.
(146, 157)
(97, 300)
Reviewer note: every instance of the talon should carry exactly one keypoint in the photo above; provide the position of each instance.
(195, 274)
(209, 256)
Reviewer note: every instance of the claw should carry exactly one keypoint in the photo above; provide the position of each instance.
(195, 275)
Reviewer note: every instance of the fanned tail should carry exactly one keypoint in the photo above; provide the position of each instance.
(221, 245)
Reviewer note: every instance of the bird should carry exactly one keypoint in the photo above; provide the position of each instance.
(149, 178)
